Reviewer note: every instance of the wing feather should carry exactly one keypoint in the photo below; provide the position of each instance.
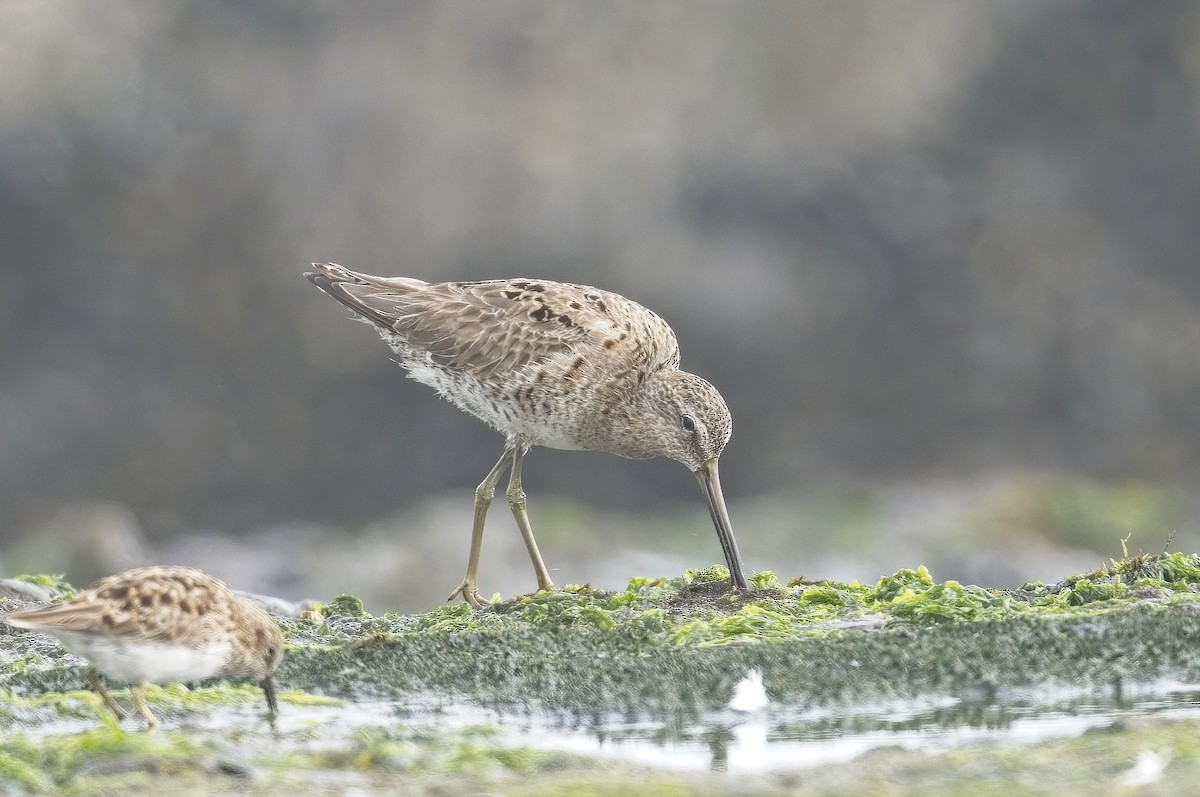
(503, 327)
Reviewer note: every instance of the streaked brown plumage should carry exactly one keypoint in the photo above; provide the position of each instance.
(550, 364)
(162, 625)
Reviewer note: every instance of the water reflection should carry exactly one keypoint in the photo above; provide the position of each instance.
(796, 736)
(774, 737)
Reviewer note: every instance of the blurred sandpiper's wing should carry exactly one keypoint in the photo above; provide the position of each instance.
(67, 616)
(156, 603)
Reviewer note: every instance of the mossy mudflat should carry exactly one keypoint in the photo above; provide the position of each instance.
(680, 644)
(659, 648)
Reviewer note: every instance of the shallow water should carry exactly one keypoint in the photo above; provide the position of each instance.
(776, 737)
(779, 737)
(787, 737)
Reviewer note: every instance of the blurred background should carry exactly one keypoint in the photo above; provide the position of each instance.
(939, 256)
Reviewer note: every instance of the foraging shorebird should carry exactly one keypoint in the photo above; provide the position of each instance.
(548, 364)
(161, 625)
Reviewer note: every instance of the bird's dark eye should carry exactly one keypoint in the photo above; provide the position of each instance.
(689, 423)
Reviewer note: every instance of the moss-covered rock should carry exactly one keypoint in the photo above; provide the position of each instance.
(660, 648)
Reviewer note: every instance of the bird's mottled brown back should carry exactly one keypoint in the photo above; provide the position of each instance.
(499, 328)
(152, 603)
(540, 361)
(545, 363)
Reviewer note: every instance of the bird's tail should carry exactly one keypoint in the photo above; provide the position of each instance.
(375, 298)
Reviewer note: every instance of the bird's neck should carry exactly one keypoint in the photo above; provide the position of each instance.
(632, 427)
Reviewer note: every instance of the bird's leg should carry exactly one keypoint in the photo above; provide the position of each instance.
(484, 493)
(94, 681)
(139, 701)
(516, 502)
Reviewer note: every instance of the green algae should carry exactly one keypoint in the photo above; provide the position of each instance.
(35, 765)
(679, 644)
(347, 605)
(588, 671)
(1092, 763)
(661, 647)
(421, 751)
(1176, 570)
(108, 761)
(56, 584)
(24, 708)
(697, 608)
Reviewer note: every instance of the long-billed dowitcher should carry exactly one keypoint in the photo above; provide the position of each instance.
(161, 625)
(548, 364)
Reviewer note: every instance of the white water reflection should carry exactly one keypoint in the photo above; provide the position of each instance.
(772, 738)
(783, 737)
(796, 737)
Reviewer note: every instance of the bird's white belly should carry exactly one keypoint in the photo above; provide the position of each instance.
(140, 660)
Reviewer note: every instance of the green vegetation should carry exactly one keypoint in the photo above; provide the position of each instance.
(56, 583)
(108, 761)
(587, 650)
(678, 645)
(661, 647)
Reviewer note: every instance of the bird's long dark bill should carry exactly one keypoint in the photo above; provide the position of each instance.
(710, 483)
(268, 688)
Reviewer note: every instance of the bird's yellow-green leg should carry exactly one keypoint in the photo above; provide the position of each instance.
(484, 493)
(139, 702)
(94, 681)
(516, 502)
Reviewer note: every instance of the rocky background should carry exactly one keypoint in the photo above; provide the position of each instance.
(939, 256)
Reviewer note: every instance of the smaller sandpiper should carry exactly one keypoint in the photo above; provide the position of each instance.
(161, 625)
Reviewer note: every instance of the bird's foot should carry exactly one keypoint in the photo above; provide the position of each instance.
(470, 593)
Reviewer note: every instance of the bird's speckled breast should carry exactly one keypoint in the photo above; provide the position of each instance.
(540, 419)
